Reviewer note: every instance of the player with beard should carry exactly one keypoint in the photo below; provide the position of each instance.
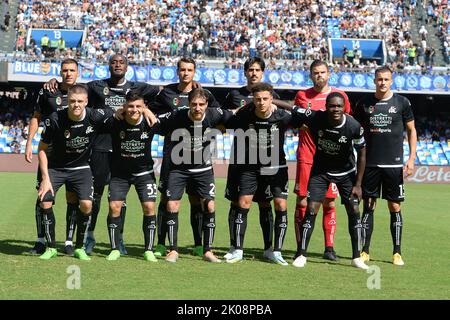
(384, 115)
(175, 97)
(110, 94)
(47, 103)
(190, 166)
(314, 98)
(237, 99)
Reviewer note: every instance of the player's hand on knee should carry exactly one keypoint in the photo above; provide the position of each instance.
(45, 187)
(356, 193)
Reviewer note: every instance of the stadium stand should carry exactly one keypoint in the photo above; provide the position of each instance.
(155, 31)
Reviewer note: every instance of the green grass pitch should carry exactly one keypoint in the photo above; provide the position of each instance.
(425, 275)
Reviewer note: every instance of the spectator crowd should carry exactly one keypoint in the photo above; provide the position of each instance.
(158, 31)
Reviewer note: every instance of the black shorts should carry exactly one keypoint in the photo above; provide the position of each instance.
(319, 183)
(202, 183)
(272, 186)
(78, 181)
(232, 188)
(164, 177)
(145, 186)
(100, 162)
(390, 180)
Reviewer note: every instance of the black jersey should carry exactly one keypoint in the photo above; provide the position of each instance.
(48, 102)
(131, 147)
(258, 143)
(71, 140)
(384, 122)
(188, 142)
(334, 145)
(103, 94)
(241, 97)
(171, 98)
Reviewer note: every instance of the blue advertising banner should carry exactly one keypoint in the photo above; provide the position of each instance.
(370, 49)
(73, 38)
(236, 78)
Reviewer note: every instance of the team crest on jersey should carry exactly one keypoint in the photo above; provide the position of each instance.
(58, 101)
(320, 133)
(361, 131)
(243, 103)
(122, 135)
(89, 130)
(101, 111)
(176, 101)
(392, 109)
(105, 91)
(67, 134)
(371, 109)
(144, 135)
(41, 92)
(273, 128)
(47, 122)
(342, 139)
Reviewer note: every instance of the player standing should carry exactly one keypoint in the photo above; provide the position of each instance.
(47, 103)
(70, 132)
(314, 98)
(175, 97)
(132, 164)
(190, 166)
(237, 99)
(260, 161)
(335, 135)
(384, 116)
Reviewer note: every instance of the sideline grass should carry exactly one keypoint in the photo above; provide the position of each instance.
(425, 250)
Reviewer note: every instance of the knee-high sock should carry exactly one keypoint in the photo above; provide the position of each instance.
(329, 225)
(396, 231)
(71, 220)
(231, 218)
(162, 227)
(83, 222)
(367, 228)
(209, 227)
(38, 216)
(149, 229)
(354, 229)
(266, 223)
(240, 225)
(281, 223)
(197, 223)
(96, 204)
(306, 231)
(48, 223)
(299, 214)
(123, 213)
(114, 231)
(171, 219)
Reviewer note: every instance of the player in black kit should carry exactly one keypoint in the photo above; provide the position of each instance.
(236, 99)
(107, 94)
(175, 97)
(260, 161)
(335, 135)
(47, 103)
(71, 132)
(132, 164)
(190, 165)
(384, 116)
